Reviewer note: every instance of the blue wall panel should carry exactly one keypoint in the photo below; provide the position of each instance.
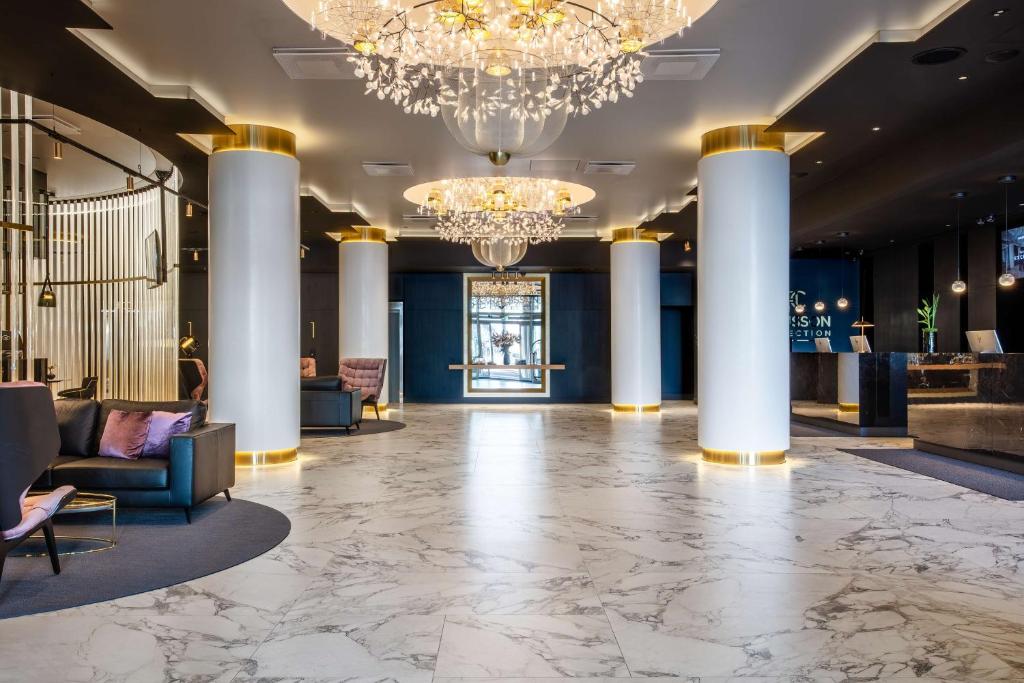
(580, 327)
(433, 334)
(827, 279)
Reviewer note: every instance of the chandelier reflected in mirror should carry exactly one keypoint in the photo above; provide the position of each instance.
(505, 211)
(504, 74)
(507, 290)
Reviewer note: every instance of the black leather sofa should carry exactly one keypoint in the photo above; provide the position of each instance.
(201, 463)
(325, 404)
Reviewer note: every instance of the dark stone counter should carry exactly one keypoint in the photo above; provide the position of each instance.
(968, 405)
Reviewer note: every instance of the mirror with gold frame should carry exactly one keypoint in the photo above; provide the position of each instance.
(506, 334)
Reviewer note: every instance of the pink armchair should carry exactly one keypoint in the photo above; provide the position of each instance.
(29, 441)
(365, 374)
(307, 367)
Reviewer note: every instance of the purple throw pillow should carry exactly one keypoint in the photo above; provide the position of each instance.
(124, 435)
(163, 426)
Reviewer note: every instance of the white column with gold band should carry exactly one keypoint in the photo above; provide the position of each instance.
(363, 297)
(254, 291)
(636, 321)
(742, 290)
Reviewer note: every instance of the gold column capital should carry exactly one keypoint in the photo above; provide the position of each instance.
(633, 235)
(741, 139)
(255, 138)
(360, 233)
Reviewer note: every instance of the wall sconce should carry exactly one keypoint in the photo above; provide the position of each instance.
(188, 209)
(687, 246)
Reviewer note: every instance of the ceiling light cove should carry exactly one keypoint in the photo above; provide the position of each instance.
(504, 74)
(510, 210)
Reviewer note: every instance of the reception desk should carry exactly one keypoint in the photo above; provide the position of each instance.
(862, 394)
(969, 406)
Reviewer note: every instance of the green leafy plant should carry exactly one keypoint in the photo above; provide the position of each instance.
(926, 315)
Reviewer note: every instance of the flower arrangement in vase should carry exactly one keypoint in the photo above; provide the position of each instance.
(504, 340)
(926, 317)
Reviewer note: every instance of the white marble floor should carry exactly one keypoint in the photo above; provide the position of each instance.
(551, 542)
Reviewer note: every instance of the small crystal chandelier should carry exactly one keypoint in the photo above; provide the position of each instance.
(511, 211)
(504, 74)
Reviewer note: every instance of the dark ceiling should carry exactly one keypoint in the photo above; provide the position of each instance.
(41, 58)
(938, 134)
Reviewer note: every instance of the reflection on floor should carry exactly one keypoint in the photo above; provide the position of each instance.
(825, 410)
(556, 542)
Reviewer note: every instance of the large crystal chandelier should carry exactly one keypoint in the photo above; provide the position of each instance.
(504, 74)
(508, 210)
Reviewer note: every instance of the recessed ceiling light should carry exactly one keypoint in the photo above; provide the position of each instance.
(999, 12)
(877, 128)
(962, 77)
(938, 55)
(819, 162)
(1000, 56)
(819, 241)
(844, 233)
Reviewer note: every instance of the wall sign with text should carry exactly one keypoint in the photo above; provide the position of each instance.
(826, 280)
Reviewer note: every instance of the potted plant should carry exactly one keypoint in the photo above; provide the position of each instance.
(926, 316)
(504, 340)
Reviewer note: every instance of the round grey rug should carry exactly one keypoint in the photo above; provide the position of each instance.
(155, 548)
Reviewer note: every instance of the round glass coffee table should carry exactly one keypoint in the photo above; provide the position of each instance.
(84, 503)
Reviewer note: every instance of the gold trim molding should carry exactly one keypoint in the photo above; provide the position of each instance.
(260, 458)
(629, 408)
(621, 235)
(849, 407)
(745, 458)
(741, 139)
(254, 138)
(364, 234)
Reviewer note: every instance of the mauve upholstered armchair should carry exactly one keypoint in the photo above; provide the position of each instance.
(365, 374)
(29, 441)
(307, 366)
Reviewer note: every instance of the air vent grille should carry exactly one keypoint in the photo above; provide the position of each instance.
(302, 63)
(678, 65)
(609, 167)
(387, 168)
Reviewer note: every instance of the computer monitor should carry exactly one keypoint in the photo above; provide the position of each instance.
(860, 344)
(984, 341)
(823, 345)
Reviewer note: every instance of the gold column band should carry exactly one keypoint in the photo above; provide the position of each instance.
(748, 458)
(633, 235)
(364, 234)
(741, 138)
(257, 458)
(849, 407)
(253, 138)
(629, 408)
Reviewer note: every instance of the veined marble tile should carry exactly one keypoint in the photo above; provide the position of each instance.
(856, 628)
(529, 646)
(455, 592)
(313, 643)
